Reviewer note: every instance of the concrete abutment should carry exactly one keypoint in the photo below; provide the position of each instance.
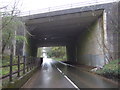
(85, 31)
(90, 50)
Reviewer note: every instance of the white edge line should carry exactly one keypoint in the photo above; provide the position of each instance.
(68, 79)
(66, 64)
(59, 70)
(71, 82)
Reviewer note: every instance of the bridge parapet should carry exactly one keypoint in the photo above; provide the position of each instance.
(64, 7)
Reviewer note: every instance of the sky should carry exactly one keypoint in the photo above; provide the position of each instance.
(28, 5)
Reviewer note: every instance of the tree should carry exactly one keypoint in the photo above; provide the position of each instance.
(9, 32)
(56, 52)
(10, 27)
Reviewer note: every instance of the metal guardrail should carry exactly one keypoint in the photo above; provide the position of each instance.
(63, 7)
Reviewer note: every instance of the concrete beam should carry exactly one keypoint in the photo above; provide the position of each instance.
(60, 29)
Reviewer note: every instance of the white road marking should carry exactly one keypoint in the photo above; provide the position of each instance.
(59, 70)
(71, 82)
(67, 78)
(66, 64)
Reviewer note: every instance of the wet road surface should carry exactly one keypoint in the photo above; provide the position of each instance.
(48, 77)
(54, 74)
(83, 79)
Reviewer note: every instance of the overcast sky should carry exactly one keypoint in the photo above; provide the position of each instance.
(26, 5)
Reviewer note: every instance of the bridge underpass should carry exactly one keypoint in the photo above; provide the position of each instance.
(79, 30)
(65, 30)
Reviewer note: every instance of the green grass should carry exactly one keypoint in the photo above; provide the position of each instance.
(111, 70)
(6, 61)
(6, 70)
(58, 59)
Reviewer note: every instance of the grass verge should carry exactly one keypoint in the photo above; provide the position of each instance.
(111, 70)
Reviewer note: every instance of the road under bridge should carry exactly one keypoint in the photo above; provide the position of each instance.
(85, 32)
(54, 74)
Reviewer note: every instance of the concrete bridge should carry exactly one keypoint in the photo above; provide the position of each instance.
(85, 31)
(90, 35)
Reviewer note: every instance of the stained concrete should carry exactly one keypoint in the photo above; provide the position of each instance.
(62, 29)
(66, 27)
(90, 45)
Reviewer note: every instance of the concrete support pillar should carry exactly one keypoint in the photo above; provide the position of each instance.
(34, 51)
(31, 51)
(112, 30)
(71, 53)
(31, 48)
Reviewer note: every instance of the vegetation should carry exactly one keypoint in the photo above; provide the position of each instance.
(39, 54)
(9, 37)
(57, 53)
(5, 62)
(111, 70)
(10, 27)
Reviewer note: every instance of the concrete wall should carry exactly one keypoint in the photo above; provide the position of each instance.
(112, 29)
(31, 48)
(89, 45)
(71, 54)
(87, 49)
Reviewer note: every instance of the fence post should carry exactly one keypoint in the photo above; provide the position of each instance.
(27, 64)
(24, 62)
(18, 66)
(34, 62)
(30, 62)
(11, 59)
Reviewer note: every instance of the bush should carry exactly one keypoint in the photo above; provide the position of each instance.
(6, 60)
(111, 70)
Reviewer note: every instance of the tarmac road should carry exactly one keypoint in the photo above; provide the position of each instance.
(48, 77)
(54, 74)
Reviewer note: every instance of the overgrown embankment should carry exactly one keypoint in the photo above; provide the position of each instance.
(111, 70)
